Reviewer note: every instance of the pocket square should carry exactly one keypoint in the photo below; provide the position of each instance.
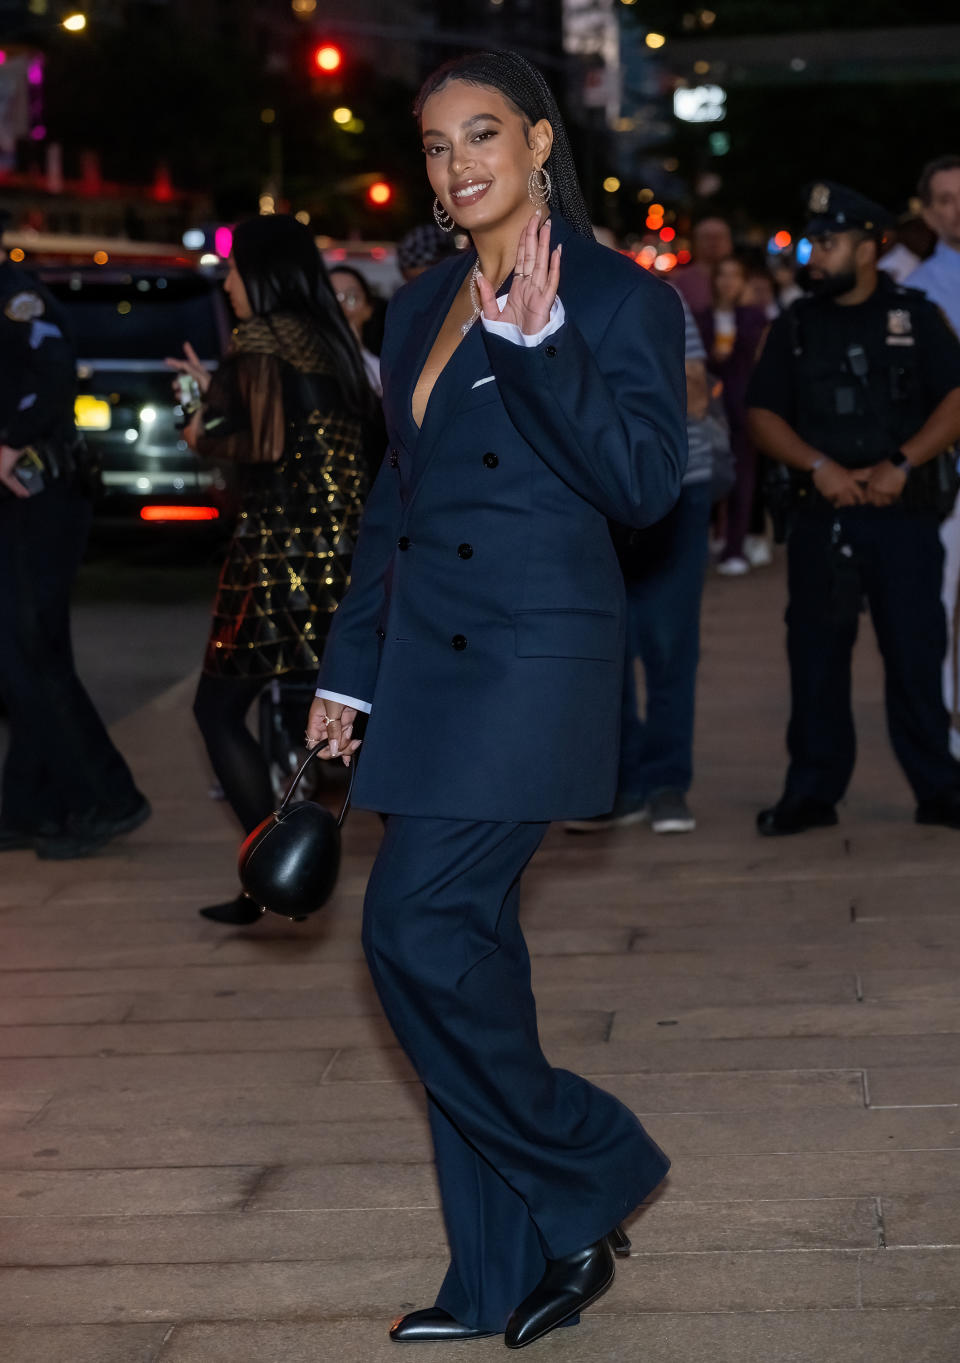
(480, 382)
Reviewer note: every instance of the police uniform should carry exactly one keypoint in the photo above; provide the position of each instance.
(855, 382)
(65, 788)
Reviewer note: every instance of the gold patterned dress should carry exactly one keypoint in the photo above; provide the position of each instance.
(303, 479)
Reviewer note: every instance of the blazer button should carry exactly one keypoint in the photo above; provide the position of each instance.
(394, 458)
(381, 634)
(458, 642)
(465, 551)
(550, 352)
(403, 543)
(490, 461)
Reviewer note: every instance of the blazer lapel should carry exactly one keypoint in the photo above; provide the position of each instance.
(422, 331)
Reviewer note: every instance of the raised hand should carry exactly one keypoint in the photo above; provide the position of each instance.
(192, 365)
(536, 278)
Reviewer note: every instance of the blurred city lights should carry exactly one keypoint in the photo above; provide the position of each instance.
(268, 115)
(193, 238)
(100, 258)
(75, 23)
(328, 58)
(223, 241)
(208, 258)
(665, 262)
(342, 114)
(701, 104)
(684, 257)
(655, 40)
(804, 247)
(667, 234)
(783, 240)
(379, 193)
(611, 184)
(179, 513)
(268, 204)
(303, 216)
(303, 7)
(148, 415)
(16, 255)
(645, 195)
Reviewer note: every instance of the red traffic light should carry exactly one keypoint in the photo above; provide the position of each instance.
(328, 58)
(379, 194)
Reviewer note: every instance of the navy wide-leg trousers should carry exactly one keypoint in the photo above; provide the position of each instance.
(533, 1162)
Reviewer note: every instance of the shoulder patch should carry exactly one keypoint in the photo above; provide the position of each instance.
(24, 307)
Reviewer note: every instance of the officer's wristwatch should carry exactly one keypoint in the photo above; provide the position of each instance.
(901, 462)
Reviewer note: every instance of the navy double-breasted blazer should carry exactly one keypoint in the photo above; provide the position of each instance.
(484, 621)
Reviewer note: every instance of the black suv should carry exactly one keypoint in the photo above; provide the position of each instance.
(125, 321)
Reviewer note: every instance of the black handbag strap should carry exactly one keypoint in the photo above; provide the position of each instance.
(296, 781)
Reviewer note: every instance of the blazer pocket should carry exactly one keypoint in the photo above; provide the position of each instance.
(567, 634)
(483, 396)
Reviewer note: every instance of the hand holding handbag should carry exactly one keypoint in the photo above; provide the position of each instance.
(289, 863)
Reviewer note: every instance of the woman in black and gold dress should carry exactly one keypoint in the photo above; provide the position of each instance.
(291, 406)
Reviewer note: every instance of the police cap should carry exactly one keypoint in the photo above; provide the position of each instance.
(835, 208)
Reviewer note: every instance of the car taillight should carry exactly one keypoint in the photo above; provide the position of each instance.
(179, 513)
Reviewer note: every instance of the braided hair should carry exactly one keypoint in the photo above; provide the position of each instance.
(525, 88)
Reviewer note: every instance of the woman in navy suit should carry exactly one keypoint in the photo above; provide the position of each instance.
(533, 388)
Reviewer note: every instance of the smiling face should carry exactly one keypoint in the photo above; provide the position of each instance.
(480, 151)
(236, 291)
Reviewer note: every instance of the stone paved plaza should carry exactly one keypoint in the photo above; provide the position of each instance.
(212, 1152)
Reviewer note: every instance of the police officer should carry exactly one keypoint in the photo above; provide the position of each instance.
(857, 393)
(65, 789)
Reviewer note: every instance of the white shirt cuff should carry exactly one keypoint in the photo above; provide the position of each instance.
(511, 332)
(352, 701)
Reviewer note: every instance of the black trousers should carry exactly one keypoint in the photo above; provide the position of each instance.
(61, 769)
(896, 560)
(220, 708)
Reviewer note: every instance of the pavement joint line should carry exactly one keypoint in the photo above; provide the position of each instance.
(333, 1060)
(880, 1226)
(907, 1107)
(865, 1084)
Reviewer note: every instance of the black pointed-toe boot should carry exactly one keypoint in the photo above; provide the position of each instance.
(569, 1285)
(240, 912)
(432, 1326)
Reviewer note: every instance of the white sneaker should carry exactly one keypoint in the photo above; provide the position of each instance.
(757, 551)
(733, 567)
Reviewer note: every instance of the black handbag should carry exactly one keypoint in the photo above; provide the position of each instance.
(289, 863)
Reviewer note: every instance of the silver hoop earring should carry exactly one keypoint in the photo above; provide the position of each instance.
(539, 186)
(442, 218)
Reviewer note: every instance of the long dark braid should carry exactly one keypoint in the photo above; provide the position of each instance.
(522, 84)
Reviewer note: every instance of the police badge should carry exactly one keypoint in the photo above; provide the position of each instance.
(899, 327)
(24, 307)
(819, 199)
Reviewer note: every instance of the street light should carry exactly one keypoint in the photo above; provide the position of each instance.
(328, 58)
(379, 194)
(75, 23)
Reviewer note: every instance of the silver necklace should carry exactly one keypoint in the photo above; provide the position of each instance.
(474, 297)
